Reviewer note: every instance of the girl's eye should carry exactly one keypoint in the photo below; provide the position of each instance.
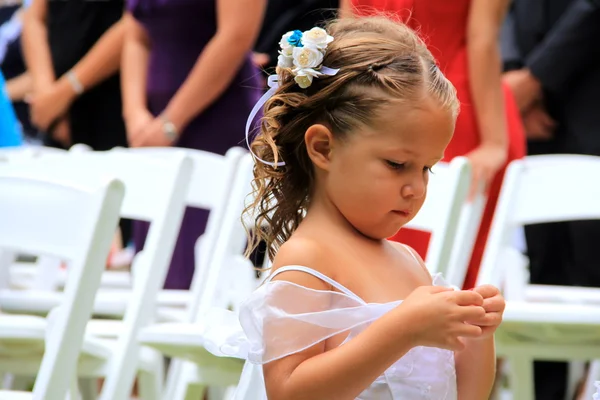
(394, 165)
(428, 169)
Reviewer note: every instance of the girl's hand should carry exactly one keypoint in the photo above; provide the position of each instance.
(494, 304)
(439, 316)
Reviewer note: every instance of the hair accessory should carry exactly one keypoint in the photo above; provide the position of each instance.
(302, 53)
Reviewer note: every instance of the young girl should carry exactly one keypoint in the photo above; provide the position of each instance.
(360, 116)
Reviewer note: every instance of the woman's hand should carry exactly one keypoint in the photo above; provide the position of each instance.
(135, 123)
(61, 132)
(486, 160)
(152, 135)
(51, 104)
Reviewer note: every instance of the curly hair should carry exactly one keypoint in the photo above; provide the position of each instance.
(379, 60)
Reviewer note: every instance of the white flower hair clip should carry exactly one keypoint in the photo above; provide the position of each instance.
(303, 54)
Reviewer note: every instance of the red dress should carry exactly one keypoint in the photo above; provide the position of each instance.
(443, 26)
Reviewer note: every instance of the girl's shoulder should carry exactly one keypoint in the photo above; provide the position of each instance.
(304, 252)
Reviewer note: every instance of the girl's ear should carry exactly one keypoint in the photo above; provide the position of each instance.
(319, 143)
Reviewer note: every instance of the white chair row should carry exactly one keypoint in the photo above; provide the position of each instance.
(69, 219)
(142, 201)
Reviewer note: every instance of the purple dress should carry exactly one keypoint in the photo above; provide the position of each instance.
(178, 31)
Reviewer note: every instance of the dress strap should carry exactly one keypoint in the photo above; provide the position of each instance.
(412, 253)
(317, 274)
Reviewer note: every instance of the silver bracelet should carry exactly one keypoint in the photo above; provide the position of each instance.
(169, 128)
(75, 83)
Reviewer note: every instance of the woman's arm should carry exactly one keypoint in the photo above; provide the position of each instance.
(36, 52)
(103, 60)
(238, 24)
(485, 69)
(52, 102)
(134, 66)
(345, 9)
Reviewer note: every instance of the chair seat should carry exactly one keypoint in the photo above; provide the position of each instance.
(24, 335)
(180, 340)
(108, 302)
(550, 330)
(562, 294)
(22, 276)
(10, 395)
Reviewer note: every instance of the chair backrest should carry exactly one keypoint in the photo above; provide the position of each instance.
(539, 189)
(227, 254)
(211, 175)
(71, 220)
(441, 213)
(210, 188)
(156, 188)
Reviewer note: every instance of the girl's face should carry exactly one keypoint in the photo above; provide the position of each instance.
(377, 177)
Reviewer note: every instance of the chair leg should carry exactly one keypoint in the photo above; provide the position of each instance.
(593, 375)
(74, 393)
(150, 384)
(521, 377)
(183, 386)
(88, 388)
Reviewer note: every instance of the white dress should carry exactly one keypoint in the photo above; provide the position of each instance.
(282, 318)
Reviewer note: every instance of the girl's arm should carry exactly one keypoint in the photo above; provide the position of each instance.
(476, 369)
(485, 69)
(238, 25)
(36, 52)
(134, 67)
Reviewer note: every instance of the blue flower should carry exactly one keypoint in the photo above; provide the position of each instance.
(296, 39)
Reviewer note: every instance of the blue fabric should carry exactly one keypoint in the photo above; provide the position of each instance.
(10, 128)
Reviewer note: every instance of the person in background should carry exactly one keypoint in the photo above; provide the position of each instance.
(18, 81)
(553, 63)
(72, 51)
(10, 130)
(188, 81)
(463, 36)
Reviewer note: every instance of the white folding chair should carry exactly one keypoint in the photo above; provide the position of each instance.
(71, 220)
(452, 221)
(227, 277)
(155, 192)
(541, 326)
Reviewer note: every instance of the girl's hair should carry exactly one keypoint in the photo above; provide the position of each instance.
(379, 60)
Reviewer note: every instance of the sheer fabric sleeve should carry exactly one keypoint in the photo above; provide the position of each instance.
(282, 318)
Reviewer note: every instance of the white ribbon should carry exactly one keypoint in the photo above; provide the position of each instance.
(273, 83)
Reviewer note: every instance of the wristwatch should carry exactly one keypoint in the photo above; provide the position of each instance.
(169, 128)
